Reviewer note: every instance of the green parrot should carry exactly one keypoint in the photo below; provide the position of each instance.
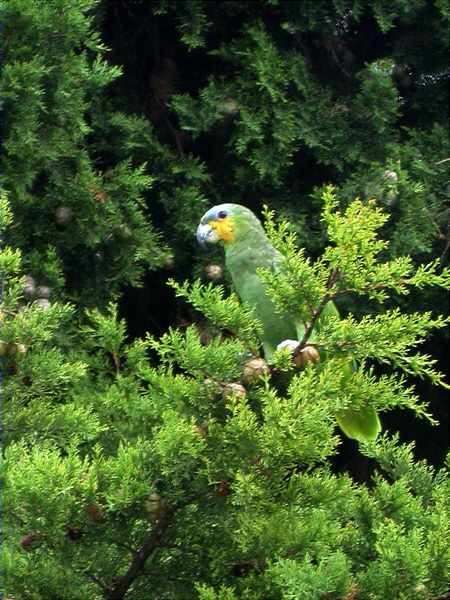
(247, 248)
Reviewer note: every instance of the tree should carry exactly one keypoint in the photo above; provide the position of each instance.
(164, 464)
(134, 478)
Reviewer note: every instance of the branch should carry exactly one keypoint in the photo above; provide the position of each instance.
(96, 580)
(122, 584)
(316, 314)
(447, 245)
(365, 290)
(116, 362)
(444, 596)
(176, 135)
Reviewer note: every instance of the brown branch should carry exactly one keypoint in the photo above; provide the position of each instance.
(122, 584)
(334, 275)
(447, 246)
(116, 362)
(336, 59)
(176, 135)
(369, 288)
(444, 596)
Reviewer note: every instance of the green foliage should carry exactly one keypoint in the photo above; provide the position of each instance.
(226, 313)
(5, 212)
(153, 467)
(331, 576)
(109, 454)
(352, 264)
(53, 75)
(411, 185)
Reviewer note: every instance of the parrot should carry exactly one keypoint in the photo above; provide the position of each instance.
(247, 248)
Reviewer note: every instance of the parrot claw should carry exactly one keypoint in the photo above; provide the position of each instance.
(300, 358)
(289, 344)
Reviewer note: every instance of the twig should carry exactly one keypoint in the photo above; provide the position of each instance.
(96, 580)
(447, 245)
(369, 288)
(176, 135)
(116, 362)
(337, 61)
(444, 596)
(316, 314)
(122, 584)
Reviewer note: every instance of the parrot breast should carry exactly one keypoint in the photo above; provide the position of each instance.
(242, 264)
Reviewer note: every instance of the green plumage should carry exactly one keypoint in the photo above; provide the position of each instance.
(249, 250)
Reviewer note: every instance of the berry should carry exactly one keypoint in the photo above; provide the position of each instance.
(213, 272)
(307, 354)
(43, 303)
(391, 198)
(63, 215)
(390, 176)
(310, 354)
(31, 541)
(95, 512)
(30, 287)
(228, 106)
(43, 291)
(255, 369)
(20, 349)
(231, 390)
(169, 263)
(223, 488)
(12, 349)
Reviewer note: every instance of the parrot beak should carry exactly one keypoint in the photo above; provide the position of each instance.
(206, 235)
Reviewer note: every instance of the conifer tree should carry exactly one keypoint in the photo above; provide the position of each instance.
(177, 463)
(183, 476)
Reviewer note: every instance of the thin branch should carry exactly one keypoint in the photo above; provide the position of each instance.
(116, 362)
(447, 245)
(369, 288)
(444, 596)
(96, 580)
(334, 276)
(176, 135)
(120, 586)
(337, 61)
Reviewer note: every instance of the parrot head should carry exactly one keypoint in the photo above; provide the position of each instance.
(226, 223)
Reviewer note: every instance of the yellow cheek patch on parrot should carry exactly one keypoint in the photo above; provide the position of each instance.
(224, 229)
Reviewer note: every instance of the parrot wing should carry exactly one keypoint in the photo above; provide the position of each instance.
(251, 290)
(363, 424)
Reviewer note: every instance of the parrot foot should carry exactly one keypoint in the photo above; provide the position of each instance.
(289, 344)
(307, 354)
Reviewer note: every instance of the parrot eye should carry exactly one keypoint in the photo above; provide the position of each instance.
(222, 214)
